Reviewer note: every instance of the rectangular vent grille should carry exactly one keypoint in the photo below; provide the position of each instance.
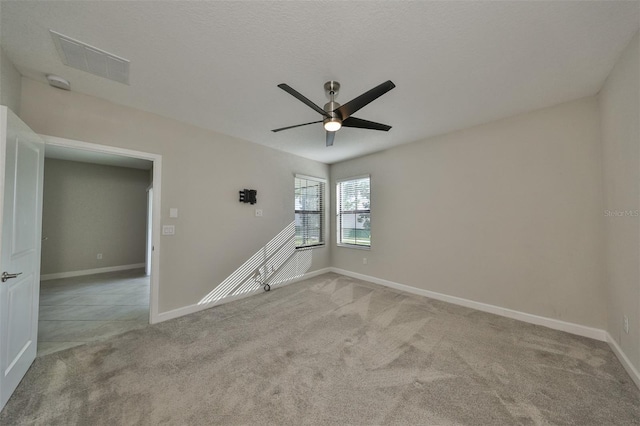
(87, 58)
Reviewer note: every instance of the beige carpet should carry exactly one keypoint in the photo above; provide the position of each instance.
(331, 350)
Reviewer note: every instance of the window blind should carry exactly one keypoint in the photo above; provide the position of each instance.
(354, 211)
(309, 211)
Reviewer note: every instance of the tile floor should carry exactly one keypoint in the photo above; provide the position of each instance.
(77, 310)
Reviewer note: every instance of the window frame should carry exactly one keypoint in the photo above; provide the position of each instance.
(339, 213)
(321, 213)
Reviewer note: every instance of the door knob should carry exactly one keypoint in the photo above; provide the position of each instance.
(6, 276)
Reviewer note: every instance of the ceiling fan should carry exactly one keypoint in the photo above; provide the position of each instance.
(335, 115)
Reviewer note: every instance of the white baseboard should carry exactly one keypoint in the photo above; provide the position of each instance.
(624, 360)
(90, 271)
(555, 324)
(186, 310)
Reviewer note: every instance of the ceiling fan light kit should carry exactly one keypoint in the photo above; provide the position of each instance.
(332, 124)
(335, 115)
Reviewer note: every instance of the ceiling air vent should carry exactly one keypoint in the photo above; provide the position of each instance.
(77, 54)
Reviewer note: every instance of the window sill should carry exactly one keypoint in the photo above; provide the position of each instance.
(310, 247)
(353, 246)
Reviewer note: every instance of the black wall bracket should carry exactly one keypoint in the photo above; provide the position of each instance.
(248, 196)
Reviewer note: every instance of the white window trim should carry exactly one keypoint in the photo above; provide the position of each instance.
(337, 213)
(353, 246)
(352, 178)
(325, 213)
(299, 176)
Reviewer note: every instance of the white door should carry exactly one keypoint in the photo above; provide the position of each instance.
(21, 178)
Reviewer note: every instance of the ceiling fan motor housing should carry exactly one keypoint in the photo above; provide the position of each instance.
(330, 107)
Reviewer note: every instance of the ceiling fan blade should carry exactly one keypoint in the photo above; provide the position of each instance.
(330, 137)
(303, 99)
(364, 124)
(297, 125)
(354, 105)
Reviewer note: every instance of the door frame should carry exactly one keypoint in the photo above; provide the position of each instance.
(156, 225)
(148, 250)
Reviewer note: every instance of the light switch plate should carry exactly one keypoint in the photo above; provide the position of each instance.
(173, 212)
(168, 230)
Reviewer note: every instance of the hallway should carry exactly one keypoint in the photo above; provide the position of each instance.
(77, 310)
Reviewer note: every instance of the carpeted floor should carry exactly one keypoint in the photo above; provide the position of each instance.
(331, 350)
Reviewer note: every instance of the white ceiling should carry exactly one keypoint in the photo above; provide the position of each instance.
(217, 64)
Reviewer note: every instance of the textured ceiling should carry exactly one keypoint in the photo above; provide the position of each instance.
(217, 64)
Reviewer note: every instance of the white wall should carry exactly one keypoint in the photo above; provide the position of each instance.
(90, 209)
(202, 172)
(10, 84)
(620, 113)
(508, 213)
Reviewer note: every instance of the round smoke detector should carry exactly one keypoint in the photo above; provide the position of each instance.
(58, 82)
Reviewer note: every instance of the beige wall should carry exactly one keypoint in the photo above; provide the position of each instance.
(90, 209)
(10, 84)
(508, 213)
(202, 172)
(620, 114)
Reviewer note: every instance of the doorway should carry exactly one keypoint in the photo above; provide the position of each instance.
(152, 230)
(94, 228)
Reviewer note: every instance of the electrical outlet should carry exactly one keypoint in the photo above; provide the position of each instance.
(626, 324)
(364, 260)
(99, 256)
(258, 212)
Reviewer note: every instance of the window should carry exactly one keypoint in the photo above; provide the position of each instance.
(309, 211)
(354, 212)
